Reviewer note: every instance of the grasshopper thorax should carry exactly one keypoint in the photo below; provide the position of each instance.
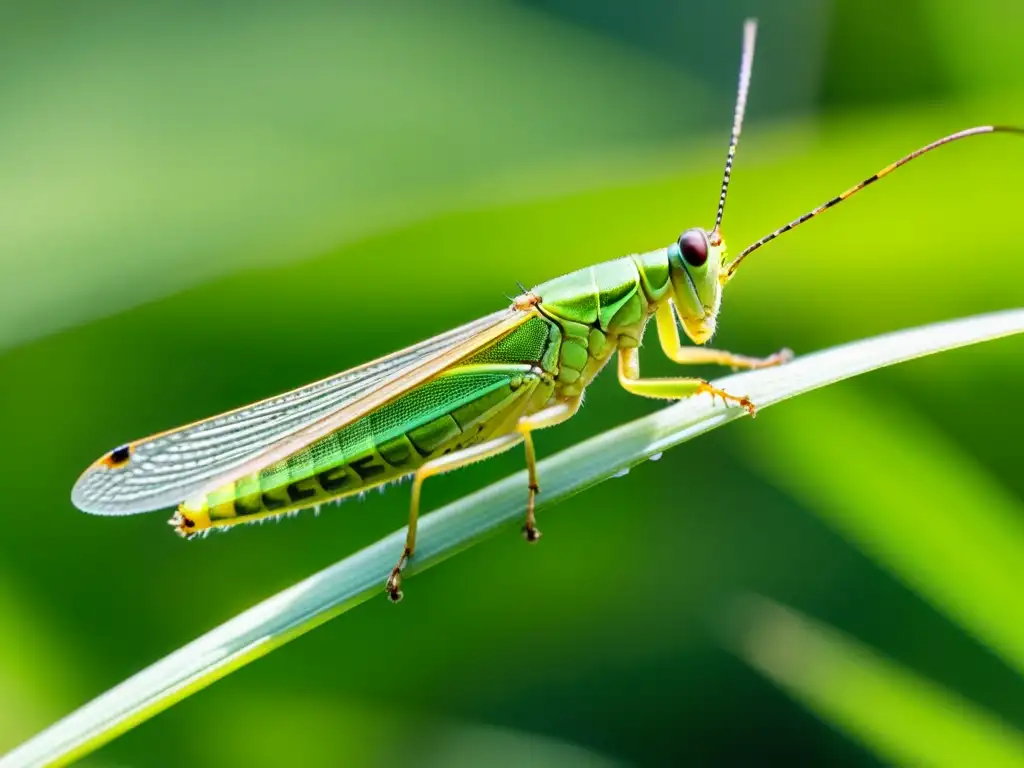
(695, 269)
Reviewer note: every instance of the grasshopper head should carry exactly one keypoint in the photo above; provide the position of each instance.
(695, 267)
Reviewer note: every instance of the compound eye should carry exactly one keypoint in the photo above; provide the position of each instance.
(693, 244)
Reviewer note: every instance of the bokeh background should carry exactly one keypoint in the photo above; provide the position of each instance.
(204, 204)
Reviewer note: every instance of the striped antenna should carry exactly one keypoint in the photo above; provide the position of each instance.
(746, 65)
(981, 129)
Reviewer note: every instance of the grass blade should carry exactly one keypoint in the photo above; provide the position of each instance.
(456, 526)
(904, 719)
(914, 503)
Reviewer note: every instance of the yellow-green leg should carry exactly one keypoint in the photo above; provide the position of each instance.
(669, 389)
(548, 417)
(668, 335)
(439, 466)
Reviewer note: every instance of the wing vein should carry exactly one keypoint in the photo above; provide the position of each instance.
(168, 467)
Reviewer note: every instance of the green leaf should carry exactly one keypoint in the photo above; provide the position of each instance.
(911, 500)
(456, 526)
(903, 718)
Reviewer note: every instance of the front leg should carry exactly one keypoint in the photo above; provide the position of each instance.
(669, 389)
(668, 335)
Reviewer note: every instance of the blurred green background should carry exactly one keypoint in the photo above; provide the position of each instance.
(204, 204)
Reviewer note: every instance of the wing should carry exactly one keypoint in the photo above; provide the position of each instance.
(163, 470)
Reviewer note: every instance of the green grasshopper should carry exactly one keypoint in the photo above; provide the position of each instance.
(455, 399)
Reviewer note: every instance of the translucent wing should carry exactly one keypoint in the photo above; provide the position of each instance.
(163, 470)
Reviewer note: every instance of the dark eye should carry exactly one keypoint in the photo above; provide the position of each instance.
(694, 247)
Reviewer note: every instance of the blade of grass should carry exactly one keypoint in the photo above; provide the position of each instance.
(901, 717)
(912, 501)
(456, 526)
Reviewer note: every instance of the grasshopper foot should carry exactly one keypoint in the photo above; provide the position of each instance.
(784, 355)
(743, 402)
(394, 585)
(530, 532)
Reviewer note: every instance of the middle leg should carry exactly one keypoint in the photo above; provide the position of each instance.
(548, 417)
(669, 389)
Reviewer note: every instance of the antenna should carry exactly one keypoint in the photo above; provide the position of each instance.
(746, 65)
(981, 129)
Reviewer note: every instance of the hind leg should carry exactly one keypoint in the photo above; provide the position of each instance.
(439, 466)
